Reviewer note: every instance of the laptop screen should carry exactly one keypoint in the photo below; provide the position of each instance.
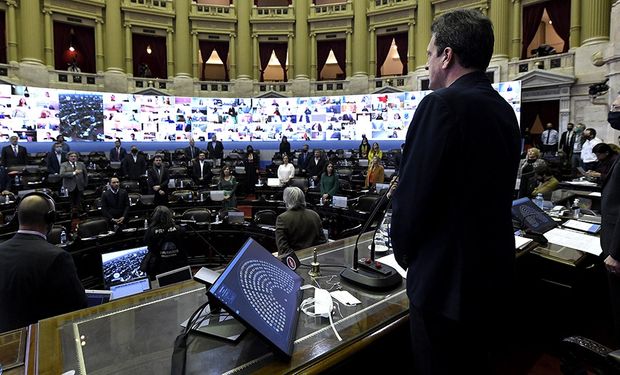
(263, 293)
(530, 217)
(130, 288)
(124, 265)
(97, 297)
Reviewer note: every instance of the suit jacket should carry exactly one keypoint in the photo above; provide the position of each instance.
(610, 212)
(37, 280)
(459, 263)
(154, 178)
(115, 206)
(566, 145)
(117, 156)
(298, 229)
(314, 168)
(53, 166)
(216, 152)
(10, 159)
(133, 169)
(188, 153)
(304, 159)
(73, 181)
(206, 173)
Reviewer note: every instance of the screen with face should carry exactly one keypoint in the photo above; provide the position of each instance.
(41, 114)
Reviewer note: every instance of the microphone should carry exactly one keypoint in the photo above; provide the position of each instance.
(368, 273)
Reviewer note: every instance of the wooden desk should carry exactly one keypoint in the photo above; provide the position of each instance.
(135, 335)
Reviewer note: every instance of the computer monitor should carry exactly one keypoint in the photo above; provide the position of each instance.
(362, 162)
(121, 266)
(236, 217)
(130, 288)
(262, 293)
(340, 202)
(381, 187)
(174, 276)
(97, 297)
(530, 217)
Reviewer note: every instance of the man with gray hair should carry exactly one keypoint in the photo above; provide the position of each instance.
(298, 227)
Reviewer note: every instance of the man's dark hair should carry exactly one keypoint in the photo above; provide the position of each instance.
(470, 35)
(592, 131)
(603, 148)
(543, 170)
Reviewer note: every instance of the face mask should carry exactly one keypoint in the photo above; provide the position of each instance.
(531, 160)
(58, 150)
(614, 120)
(134, 151)
(578, 130)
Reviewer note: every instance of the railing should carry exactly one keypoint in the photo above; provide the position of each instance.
(391, 81)
(323, 87)
(64, 76)
(214, 10)
(8, 71)
(339, 8)
(377, 4)
(214, 86)
(264, 87)
(561, 63)
(273, 13)
(164, 5)
(145, 83)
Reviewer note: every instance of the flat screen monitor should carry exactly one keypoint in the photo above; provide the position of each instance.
(340, 202)
(381, 187)
(262, 293)
(97, 297)
(174, 276)
(130, 288)
(530, 217)
(235, 217)
(122, 266)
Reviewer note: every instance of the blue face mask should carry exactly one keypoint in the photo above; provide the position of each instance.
(614, 120)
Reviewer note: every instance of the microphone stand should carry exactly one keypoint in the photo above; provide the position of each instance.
(204, 240)
(368, 273)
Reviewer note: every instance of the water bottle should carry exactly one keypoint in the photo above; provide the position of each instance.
(539, 200)
(217, 218)
(202, 197)
(190, 196)
(181, 184)
(7, 199)
(311, 182)
(146, 223)
(576, 209)
(63, 237)
(16, 179)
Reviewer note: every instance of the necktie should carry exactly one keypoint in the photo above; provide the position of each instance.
(192, 152)
(201, 169)
(548, 135)
(15, 150)
(73, 165)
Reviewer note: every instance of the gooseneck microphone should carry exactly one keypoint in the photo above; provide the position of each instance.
(368, 273)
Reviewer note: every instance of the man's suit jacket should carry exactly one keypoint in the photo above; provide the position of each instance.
(216, 152)
(37, 280)
(188, 153)
(10, 159)
(133, 169)
(206, 172)
(314, 168)
(461, 261)
(610, 212)
(117, 155)
(53, 166)
(115, 206)
(304, 159)
(153, 179)
(567, 145)
(73, 181)
(298, 229)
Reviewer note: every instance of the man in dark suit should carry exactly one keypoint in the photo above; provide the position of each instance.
(14, 154)
(298, 227)
(303, 159)
(157, 180)
(117, 153)
(74, 179)
(201, 171)
(458, 272)
(610, 227)
(215, 148)
(37, 279)
(115, 203)
(316, 166)
(54, 159)
(191, 152)
(133, 165)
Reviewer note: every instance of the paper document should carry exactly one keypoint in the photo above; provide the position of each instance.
(575, 240)
(595, 194)
(581, 225)
(389, 260)
(581, 183)
(521, 242)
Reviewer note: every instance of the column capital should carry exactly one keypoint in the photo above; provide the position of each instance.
(11, 3)
(194, 32)
(291, 36)
(312, 35)
(254, 36)
(127, 25)
(348, 31)
(47, 11)
(99, 20)
(232, 35)
(411, 23)
(372, 29)
(170, 30)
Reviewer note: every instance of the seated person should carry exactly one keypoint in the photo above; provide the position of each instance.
(228, 183)
(164, 240)
(606, 156)
(546, 181)
(329, 183)
(298, 227)
(375, 173)
(526, 181)
(286, 170)
(115, 203)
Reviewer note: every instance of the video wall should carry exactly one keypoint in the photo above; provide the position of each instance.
(41, 114)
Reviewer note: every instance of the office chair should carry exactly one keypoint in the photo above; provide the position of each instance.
(131, 186)
(300, 182)
(344, 184)
(265, 217)
(134, 198)
(199, 215)
(176, 172)
(185, 182)
(53, 236)
(349, 232)
(344, 173)
(581, 355)
(147, 199)
(93, 227)
(365, 203)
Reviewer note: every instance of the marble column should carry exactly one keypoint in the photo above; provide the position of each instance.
(423, 32)
(128, 50)
(113, 40)
(360, 38)
(170, 54)
(595, 21)
(180, 62)
(11, 31)
(48, 44)
(232, 57)
(245, 41)
(499, 16)
(515, 49)
(302, 39)
(575, 24)
(99, 45)
(30, 31)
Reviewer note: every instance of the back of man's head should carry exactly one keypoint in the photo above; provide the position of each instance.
(470, 35)
(32, 211)
(293, 197)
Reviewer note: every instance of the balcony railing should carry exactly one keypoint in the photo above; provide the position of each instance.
(560, 63)
(331, 9)
(326, 87)
(136, 84)
(378, 4)
(63, 76)
(391, 81)
(163, 5)
(214, 10)
(273, 13)
(264, 87)
(214, 86)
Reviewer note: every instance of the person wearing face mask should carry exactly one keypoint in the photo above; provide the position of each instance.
(610, 227)
(115, 203)
(587, 156)
(133, 165)
(546, 181)
(526, 181)
(54, 159)
(575, 160)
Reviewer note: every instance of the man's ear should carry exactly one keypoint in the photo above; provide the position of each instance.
(448, 57)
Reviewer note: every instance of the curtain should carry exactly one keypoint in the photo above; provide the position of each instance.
(402, 46)
(264, 52)
(384, 42)
(222, 50)
(559, 13)
(531, 22)
(280, 50)
(156, 60)
(3, 42)
(82, 40)
(340, 49)
(322, 52)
